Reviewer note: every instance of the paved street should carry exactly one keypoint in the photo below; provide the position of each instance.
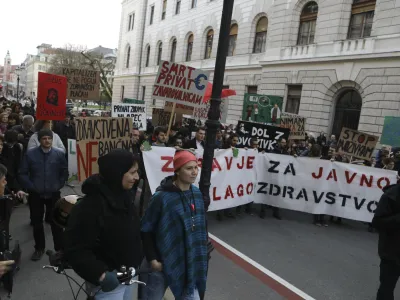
(334, 263)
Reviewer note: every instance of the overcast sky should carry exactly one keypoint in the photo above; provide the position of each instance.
(29, 23)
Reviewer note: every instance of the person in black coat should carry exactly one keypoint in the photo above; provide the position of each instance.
(387, 221)
(103, 230)
(198, 141)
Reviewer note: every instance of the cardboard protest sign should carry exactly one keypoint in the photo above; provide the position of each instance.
(391, 132)
(296, 124)
(267, 135)
(135, 111)
(201, 113)
(304, 184)
(72, 161)
(97, 136)
(52, 97)
(262, 108)
(82, 84)
(357, 144)
(180, 84)
(179, 108)
(160, 117)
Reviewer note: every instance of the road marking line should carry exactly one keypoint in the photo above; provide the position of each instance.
(277, 283)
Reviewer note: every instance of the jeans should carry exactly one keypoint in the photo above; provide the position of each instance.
(389, 275)
(122, 292)
(36, 205)
(156, 285)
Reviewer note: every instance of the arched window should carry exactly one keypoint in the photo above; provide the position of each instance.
(159, 54)
(347, 111)
(173, 51)
(232, 39)
(362, 16)
(308, 22)
(261, 35)
(128, 56)
(189, 49)
(148, 56)
(209, 42)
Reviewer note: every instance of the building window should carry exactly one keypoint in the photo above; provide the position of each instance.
(164, 10)
(194, 3)
(173, 51)
(143, 92)
(189, 49)
(362, 17)
(154, 102)
(293, 99)
(261, 35)
(159, 54)
(122, 93)
(252, 89)
(131, 22)
(209, 42)
(232, 39)
(151, 14)
(147, 56)
(308, 22)
(178, 7)
(128, 56)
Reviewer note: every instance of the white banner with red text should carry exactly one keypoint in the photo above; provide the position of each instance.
(304, 184)
(226, 190)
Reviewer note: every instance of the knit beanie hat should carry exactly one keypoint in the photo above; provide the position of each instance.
(45, 132)
(181, 158)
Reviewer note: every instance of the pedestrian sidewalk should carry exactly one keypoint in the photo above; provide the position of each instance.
(74, 188)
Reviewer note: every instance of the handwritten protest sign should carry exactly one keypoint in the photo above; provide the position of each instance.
(356, 143)
(296, 124)
(179, 108)
(267, 135)
(52, 97)
(135, 111)
(97, 136)
(82, 84)
(180, 84)
(160, 117)
(391, 132)
(201, 113)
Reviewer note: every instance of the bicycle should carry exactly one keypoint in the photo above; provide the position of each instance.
(59, 266)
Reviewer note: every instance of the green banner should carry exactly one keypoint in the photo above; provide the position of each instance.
(262, 108)
(133, 101)
(391, 132)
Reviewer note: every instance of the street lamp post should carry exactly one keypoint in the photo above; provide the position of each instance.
(213, 123)
(17, 71)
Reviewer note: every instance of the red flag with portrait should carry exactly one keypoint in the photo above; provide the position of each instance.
(52, 97)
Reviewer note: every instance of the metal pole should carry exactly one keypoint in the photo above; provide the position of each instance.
(17, 88)
(213, 123)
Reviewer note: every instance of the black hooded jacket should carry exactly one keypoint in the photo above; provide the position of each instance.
(103, 231)
(387, 221)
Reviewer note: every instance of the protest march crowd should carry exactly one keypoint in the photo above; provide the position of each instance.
(33, 157)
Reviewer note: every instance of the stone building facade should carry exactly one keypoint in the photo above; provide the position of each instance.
(335, 62)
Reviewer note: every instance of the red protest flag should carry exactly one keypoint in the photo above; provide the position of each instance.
(224, 94)
(52, 97)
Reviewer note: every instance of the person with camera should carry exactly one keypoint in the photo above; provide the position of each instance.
(5, 266)
(103, 229)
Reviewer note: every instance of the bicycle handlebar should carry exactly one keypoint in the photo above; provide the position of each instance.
(124, 275)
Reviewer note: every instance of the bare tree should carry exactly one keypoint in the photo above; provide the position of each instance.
(77, 57)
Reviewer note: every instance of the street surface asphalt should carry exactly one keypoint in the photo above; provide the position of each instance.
(339, 262)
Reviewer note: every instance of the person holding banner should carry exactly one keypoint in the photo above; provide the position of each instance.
(176, 213)
(387, 221)
(160, 133)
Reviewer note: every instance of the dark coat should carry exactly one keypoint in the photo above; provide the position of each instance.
(191, 144)
(387, 221)
(103, 231)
